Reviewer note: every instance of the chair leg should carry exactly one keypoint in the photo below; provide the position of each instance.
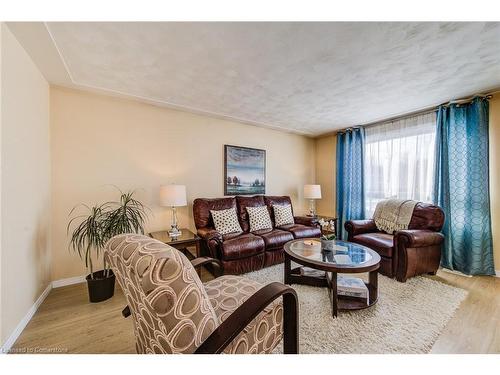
(290, 324)
(126, 312)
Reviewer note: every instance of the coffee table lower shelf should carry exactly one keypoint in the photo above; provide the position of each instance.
(329, 280)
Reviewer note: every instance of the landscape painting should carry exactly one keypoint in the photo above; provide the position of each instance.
(244, 171)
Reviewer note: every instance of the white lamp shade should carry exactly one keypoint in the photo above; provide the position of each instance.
(173, 195)
(312, 191)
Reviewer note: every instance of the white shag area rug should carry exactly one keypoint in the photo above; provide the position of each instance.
(407, 318)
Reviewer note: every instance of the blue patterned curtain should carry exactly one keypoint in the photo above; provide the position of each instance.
(350, 189)
(462, 187)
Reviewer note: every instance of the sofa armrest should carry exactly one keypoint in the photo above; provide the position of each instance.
(209, 234)
(355, 227)
(306, 220)
(212, 239)
(418, 238)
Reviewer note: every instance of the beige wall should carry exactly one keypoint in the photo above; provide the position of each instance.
(98, 141)
(25, 183)
(325, 148)
(495, 176)
(325, 174)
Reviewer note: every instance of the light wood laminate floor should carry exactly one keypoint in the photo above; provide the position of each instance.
(66, 322)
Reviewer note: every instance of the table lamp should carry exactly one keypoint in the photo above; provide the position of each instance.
(173, 196)
(312, 192)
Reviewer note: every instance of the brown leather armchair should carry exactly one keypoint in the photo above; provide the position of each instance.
(248, 251)
(406, 253)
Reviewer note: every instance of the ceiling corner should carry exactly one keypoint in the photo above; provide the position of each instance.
(38, 43)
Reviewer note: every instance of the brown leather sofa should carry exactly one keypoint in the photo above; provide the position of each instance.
(407, 253)
(248, 251)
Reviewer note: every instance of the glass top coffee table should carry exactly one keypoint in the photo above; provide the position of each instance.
(320, 268)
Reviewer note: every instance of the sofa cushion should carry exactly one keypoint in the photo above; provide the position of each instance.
(242, 246)
(263, 333)
(301, 231)
(226, 221)
(283, 215)
(259, 218)
(382, 243)
(275, 238)
(242, 203)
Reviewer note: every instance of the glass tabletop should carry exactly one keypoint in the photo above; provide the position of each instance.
(344, 254)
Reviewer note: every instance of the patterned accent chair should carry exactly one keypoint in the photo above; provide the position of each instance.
(174, 312)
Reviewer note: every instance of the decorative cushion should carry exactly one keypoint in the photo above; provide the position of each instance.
(283, 215)
(259, 218)
(226, 221)
(263, 333)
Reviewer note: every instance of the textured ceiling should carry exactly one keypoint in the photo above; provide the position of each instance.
(304, 77)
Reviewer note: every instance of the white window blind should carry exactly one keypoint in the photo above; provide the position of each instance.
(399, 160)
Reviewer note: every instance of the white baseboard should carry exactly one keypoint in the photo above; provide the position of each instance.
(455, 272)
(69, 281)
(497, 272)
(24, 321)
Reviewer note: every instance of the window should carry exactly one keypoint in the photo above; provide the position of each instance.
(399, 160)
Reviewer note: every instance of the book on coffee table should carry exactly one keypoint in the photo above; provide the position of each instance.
(352, 287)
(342, 259)
(307, 271)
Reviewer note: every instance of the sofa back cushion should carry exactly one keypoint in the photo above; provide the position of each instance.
(242, 203)
(276, 201)
(202, 207)
(427, 216)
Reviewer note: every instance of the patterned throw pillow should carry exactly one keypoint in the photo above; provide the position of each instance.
(259, 218)
(283, 215)
(226, 221)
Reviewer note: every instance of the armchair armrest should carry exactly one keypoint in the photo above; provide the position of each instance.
(198, 262)
(418, 238)
(248, 310)
(306, 220)
(355, 227)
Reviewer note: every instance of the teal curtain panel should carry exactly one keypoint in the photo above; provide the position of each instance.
(462, 187)
(350, 188)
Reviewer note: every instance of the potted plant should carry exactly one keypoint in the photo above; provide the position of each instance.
(328, 241)
(101, 223)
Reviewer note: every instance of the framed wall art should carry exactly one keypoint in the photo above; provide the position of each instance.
(244, 170)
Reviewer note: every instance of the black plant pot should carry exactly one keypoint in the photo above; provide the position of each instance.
(101, 288)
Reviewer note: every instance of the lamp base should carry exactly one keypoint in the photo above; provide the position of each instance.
(174, 232)
(312, 208)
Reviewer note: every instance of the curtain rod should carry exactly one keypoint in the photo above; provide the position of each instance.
(423, 111)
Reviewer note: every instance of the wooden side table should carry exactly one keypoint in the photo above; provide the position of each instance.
(181, 243)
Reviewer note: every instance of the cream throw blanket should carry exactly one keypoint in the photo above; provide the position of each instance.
(393, 214)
